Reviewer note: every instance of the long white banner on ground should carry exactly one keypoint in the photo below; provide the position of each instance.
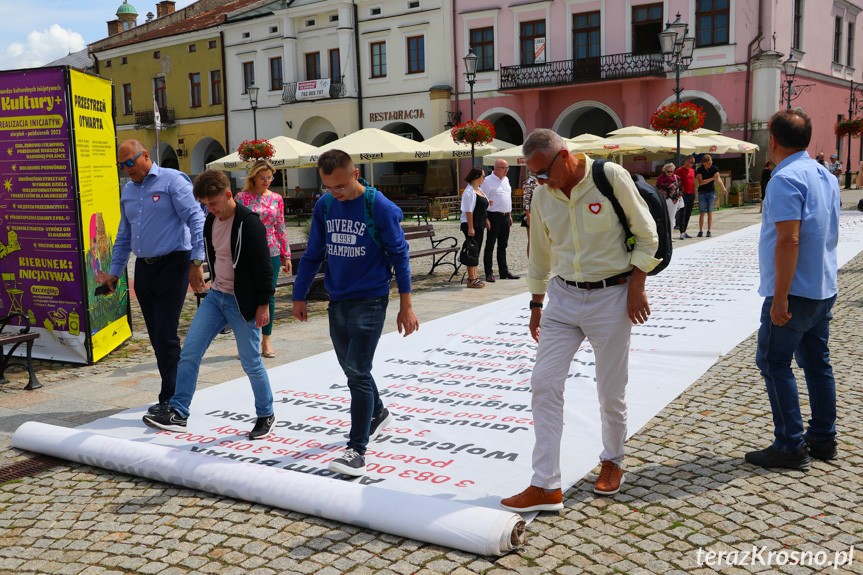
(460, 391)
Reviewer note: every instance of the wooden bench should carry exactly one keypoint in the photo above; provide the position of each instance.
(440, 249)
(15, 339)
(414, 208)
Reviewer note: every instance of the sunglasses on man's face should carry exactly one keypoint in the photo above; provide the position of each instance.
(129, 163)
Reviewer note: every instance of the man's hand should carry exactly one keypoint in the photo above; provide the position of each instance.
(262, 315)
(287, 266)
(636, 300)
(779, 311)
(108, 280)
(535, 317)
(406, 318)
(299, 310)
(471, 232)
(196, 278)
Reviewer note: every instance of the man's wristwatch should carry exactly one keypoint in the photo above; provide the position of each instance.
(198, 262)
(536, 305)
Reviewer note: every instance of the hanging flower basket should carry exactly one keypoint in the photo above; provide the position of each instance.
(251, 150)
(849, 127)
(685, 117)
(473, 132)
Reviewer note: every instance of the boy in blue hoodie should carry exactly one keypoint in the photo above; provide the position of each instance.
(242, 283)
(358, 278)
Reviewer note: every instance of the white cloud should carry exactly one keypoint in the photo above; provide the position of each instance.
(41, 48)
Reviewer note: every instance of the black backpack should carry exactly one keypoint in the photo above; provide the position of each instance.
(655, 203)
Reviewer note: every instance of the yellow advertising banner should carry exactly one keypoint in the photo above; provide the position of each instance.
(98, 187)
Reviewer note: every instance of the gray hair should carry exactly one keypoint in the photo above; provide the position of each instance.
(668, 165)
(542, 140)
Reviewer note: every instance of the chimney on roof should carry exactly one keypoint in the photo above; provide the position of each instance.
(114, 27)
(164, 8)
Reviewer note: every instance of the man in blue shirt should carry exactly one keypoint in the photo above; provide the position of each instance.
(358, 278)
(162, 223)
(797, 259)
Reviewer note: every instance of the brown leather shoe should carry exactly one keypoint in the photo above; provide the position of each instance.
(534, 499)
(610, 479)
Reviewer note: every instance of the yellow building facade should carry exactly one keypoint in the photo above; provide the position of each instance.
(181, 70)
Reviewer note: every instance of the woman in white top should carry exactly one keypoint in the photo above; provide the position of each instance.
(474, 221)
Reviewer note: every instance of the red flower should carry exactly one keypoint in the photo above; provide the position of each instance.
(849, 127)
(671, 118)
(473, 132)
(251, 150)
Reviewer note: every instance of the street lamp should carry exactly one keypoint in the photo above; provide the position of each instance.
(790, 67)
(253, 103)
(470, 62)
(677, 49)
(854, 105)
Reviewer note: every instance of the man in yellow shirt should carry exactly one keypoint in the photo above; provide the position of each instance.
(596, 290)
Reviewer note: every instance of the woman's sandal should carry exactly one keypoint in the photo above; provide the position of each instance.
(475, 283)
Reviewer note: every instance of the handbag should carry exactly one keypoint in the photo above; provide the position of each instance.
(469, 254)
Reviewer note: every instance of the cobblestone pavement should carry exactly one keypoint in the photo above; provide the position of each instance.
(688, 490)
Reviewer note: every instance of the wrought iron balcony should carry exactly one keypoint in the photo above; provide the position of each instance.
(581, 71)
(337, 90)
(146, 118)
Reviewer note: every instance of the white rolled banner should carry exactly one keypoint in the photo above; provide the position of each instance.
(473, 529)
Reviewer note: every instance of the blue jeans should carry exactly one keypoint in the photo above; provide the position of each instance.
(706, 201)
(805, 337)
(355, 328)
(217, 310)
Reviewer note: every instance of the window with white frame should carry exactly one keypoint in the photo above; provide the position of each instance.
(375, 11)
(215, 87)
(532, 35)
(849, 54)
(378, 56)
(646, 26)
(711, 22)
(127, 99)
(837, 40)
(195, 89)
(276, 73)
(313, 66)
(482, 42)
(416, 55)
(797, 25)
(414, 4)
(248, 76)
(586, 33)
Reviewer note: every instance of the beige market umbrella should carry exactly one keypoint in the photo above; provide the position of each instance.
(371, 146)
(582, 138)
(633, 131)
(288, 151)
(515, 155)
(450, 150)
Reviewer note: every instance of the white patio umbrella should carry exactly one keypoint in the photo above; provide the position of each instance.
(733, 145)
(450, 150)
(582, 138)
(288, 151)
(371, 146)
(515, 155)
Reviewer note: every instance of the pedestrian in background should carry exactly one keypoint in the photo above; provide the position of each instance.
(686, 173)
(669, 184)
(162, 223)
(499, 193)
(530, 185)
(474, 217)
(766, 174)
(799, 282)
(707, 176)
(270, 207)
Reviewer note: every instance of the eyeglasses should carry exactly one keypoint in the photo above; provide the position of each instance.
(129, 163)
(543, 175)
(265, 178)
(338, 189)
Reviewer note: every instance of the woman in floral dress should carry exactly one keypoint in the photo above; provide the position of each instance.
(270, 207)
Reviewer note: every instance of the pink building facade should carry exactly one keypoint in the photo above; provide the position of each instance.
(592, 66)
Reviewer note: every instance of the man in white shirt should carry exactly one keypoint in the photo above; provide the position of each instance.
(835, 165)
(496, 187)
(596, 292)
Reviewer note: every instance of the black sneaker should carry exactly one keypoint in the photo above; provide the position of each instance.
(823, 450)
(263, 427)
(773, 457)
(158, 408)
(168, 420)
(380, 421)
(350, 463)
(700, 234)
(709, 234)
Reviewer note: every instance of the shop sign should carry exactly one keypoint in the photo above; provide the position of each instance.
(397, 115)
(313, 89)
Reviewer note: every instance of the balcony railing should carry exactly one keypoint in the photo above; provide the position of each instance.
(337, 90)
(146, 118)
(583, 70)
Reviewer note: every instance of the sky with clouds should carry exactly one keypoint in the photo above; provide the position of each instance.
(35, 32)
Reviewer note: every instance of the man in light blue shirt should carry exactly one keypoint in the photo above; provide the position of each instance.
(798, 264)
(162, 223)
